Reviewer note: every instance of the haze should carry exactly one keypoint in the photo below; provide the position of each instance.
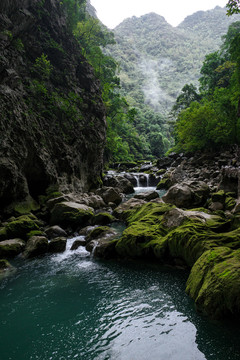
(112, 12)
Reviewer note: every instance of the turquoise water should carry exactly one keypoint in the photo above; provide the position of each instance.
(71, 306)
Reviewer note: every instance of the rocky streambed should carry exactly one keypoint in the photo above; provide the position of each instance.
(195, 225)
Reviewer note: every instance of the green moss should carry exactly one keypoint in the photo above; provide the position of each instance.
(11, 248)
(230, 203)
(219, 196)
(145, 235)
(103, 219)
(149, 212)
(25, 207)
(21, 226)
(215, 284)
(161, 171)
(3, 233)
(95, 233)
(35, 233)
(4, 264)
(165, 182)
(70, 214)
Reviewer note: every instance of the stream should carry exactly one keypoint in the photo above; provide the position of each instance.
(73, 306)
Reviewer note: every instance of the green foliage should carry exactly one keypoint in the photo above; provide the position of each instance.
(188, 94)
(214, 121)
(75, 11)
(42, 67)
(233, 7)
(18, 44)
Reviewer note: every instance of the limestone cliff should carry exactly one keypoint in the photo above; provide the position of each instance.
(52, 118)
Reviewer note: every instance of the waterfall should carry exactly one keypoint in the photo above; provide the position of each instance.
(147, 177)
(137, 179)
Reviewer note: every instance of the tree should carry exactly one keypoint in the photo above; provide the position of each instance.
(187, 95)
(210, 77)
(233, 7)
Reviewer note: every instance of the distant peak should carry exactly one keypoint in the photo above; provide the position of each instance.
(151, 17)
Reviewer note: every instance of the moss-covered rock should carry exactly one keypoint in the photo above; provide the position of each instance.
(26, 206)
(103, 219)
(6, 268)
(166, 182)
(218, 196)
(21, 226)
(3, 233)
(35, 233)
(97, 232)
(36, 245)
(161, 171)
(11, 248)
(125, 209)
(69, 213)
(4, 265)
(101, 242)
(214, 282)
(146, 232)
(230, 203)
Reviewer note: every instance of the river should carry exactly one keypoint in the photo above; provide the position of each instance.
(73, 306)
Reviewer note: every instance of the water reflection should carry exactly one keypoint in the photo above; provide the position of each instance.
(74, 307)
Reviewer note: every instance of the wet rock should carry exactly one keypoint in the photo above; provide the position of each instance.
(57, 245)
(131, 178)
(101, 242)
(6, 268)
(166, 182)
(147, 196)
(55, 231)
(11, 248)
(78, 242)
(146, 167)
(36, 245)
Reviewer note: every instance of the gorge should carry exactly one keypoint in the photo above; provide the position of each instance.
(140, 259)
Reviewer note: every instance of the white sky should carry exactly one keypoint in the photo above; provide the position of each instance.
(112, 12)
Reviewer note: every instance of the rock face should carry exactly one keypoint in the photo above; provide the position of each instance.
(52, 123)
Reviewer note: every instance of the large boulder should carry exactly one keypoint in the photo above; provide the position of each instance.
(57, 245)
(21, 226)
(122, 183)
(103, 218)
(122, 211)
(36, 245)
(101, 242)
(147, 195)
(11, 248)
(55, 231)
(187, 194)
(214, 282)
(71, 214)
(109, 195)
